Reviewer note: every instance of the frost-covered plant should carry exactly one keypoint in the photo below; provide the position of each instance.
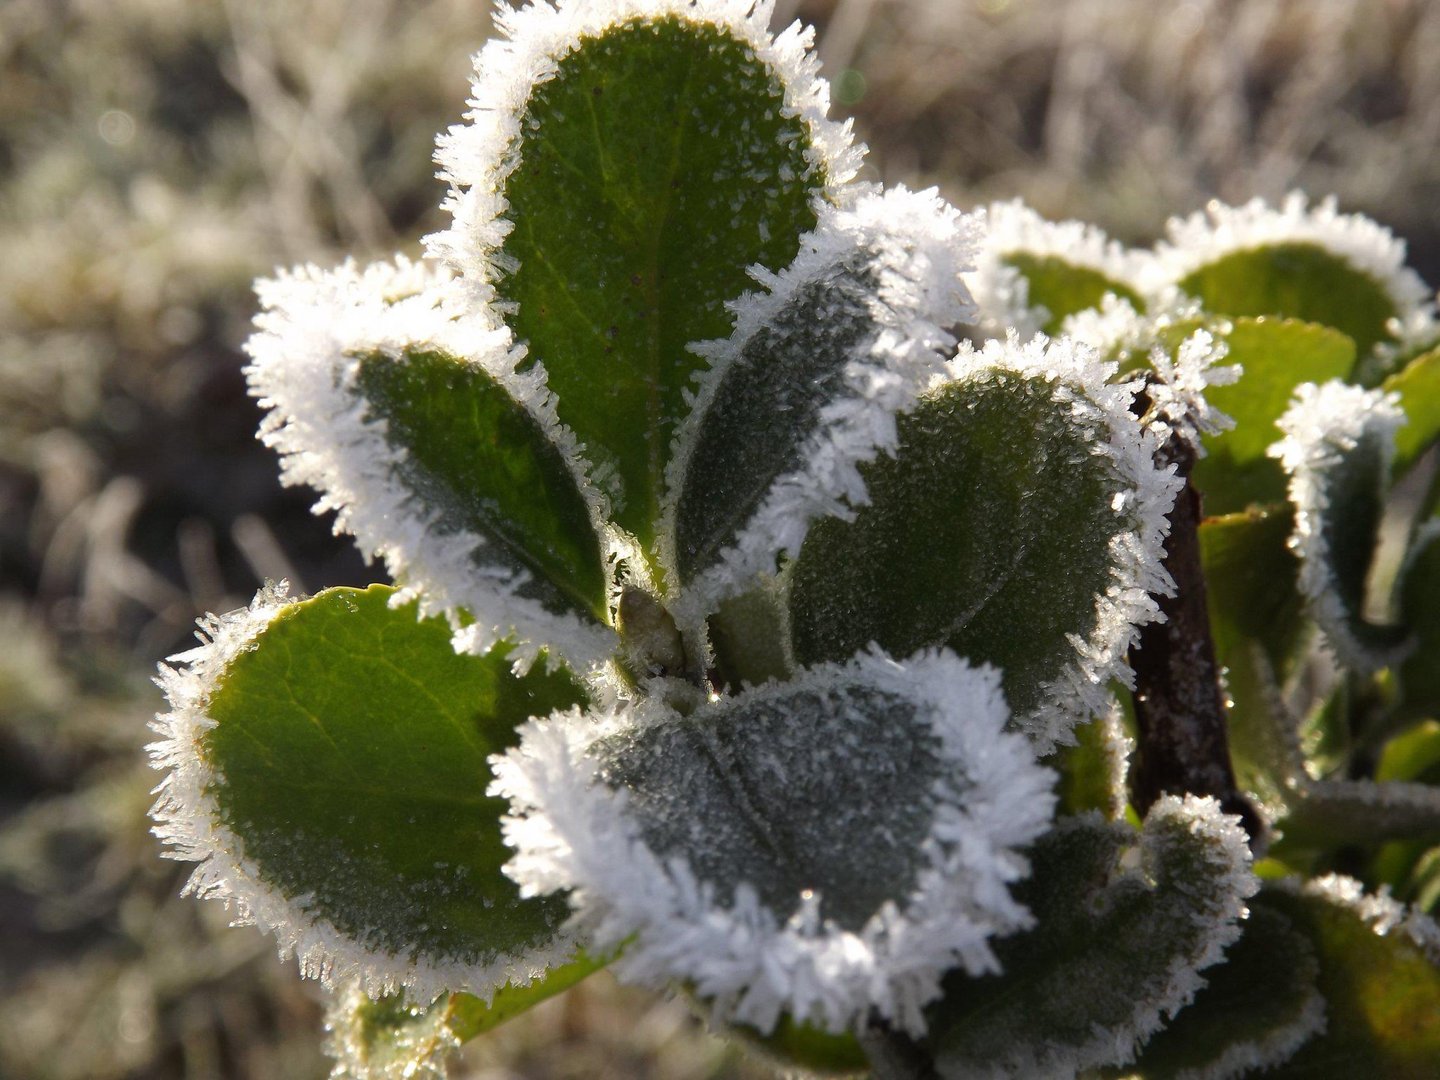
(753, 635)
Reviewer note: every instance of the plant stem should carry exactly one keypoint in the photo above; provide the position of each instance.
(1183, 745)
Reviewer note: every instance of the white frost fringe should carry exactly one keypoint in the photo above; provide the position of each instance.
(1381, 912)
(478, 157)
(305, 355)
(1002, 292)
(572, 831)
(916, 245)
(189, 822)
(1081, 389)
(1218, 911)
(1219, 230)
(1322, 425)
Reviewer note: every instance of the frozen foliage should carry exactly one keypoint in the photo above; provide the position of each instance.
(871, 297)
(1219, 230)
(1147, 884)
(190, 822)
(1331, 432)
(1082, 387)
(1002, 290)
(477, 158)
(316, 328)
(986, 799)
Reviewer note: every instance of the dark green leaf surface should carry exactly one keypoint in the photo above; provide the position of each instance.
(655, 165)
(767, 406)
(477, 461)
(1420, 610)
(1063, 288)
(1297, 281)
(1382, 996)
(1106, 948)
(1418, 385)
(1355, 488)
(1277, 355)
(752, 792)
(987, 532)
(1256, 622)
(1255, 1010)
(351, 745)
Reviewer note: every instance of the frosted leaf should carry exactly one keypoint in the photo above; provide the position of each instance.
(1040, 554)
(1094, 773)
(1025, 260)
(1258, 1008)
(332, 801)
(808, 386)
(649, 151)
(717, 843)
(1379, 975)
(1337, 448)
(1124, 926)
(326, 343)
(477, 158)
(1206, 254)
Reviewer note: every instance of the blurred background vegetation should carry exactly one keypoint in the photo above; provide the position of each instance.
(157, 155)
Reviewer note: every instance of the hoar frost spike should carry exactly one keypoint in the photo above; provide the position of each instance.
(828, 966)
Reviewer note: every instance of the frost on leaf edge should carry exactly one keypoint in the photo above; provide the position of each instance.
(1322, 424)
(1218, 230)
(477, 158)
(1228, 849)
(572, 831)
(312, 330)
(919, 246)
(1002, 292)
(188, 821)
(1081, 385)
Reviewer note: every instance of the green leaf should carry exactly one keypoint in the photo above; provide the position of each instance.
(815, 1051)
(1093, 771)
(994, 545)
(1123, 924)
(1419, 675)
(1277, 356)
(1255, 1011)
(861, 821)
(1296, 281)
(1336, 452)
(478, 462)
(348, 756)
(655, 164)
(1381, 988)
(1256, 625)
(756, 774)
(1418, 385)
(806, 387)
(1064, 288)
